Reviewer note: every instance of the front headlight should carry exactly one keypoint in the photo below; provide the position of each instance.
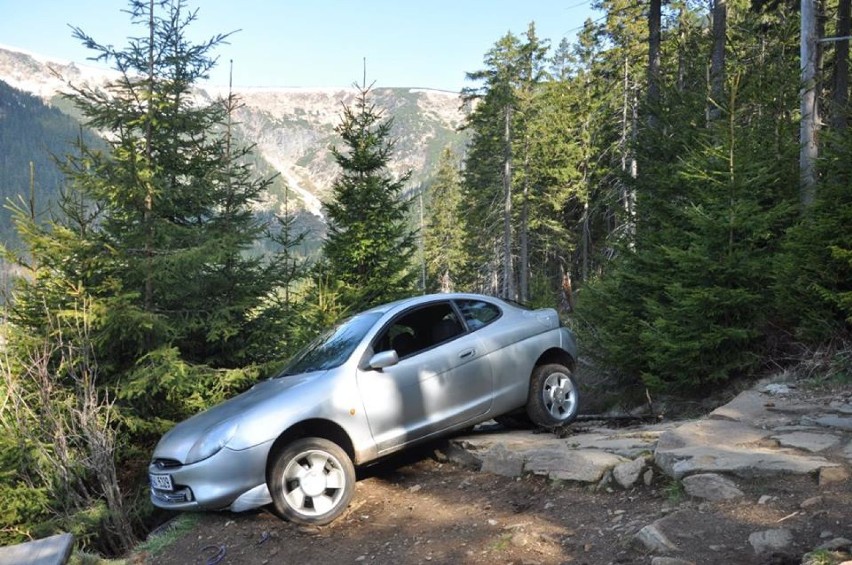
(214, 439)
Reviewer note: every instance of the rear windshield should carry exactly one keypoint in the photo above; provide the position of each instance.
(478, 313)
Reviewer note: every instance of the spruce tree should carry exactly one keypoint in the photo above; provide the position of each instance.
(488, 175)
(369, 247)
(443, 238)
(174, 195)
(156, 232)
(686, 307)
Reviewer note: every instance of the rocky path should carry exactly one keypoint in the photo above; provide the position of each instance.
(762, 436)
(762, 480)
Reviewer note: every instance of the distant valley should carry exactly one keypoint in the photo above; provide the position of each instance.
(292, 128)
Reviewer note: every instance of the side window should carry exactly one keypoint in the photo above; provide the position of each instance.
(420, 329)
(478, 313)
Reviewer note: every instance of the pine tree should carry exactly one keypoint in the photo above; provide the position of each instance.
(488, 171)
(443, 237)
(532, 74)
(369, 247)
(685, 306)
(149, 247)
(175, 196)
(156, 232)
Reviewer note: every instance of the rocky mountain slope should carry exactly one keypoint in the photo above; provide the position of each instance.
(293, 129)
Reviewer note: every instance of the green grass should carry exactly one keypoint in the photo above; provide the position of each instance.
(821, 557)
(174, 530)
(674, 491)
(86, 558)
(501, 543)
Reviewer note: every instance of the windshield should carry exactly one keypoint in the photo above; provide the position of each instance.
(332, 348)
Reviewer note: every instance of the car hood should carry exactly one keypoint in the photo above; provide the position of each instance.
(265, 396)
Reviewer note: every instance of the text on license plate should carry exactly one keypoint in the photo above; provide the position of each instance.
(162, 482)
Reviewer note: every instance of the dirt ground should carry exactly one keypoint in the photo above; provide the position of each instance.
(418, 508)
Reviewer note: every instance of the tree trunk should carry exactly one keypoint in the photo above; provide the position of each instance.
(840, 91)
(681, 51)
(717, 59)
(524, 237)
(628, 159)
(149, 150)
(808, 126)
(585, 242)
(508, 270)
(654, 17)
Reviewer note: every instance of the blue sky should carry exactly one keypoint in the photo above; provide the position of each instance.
(313, 43)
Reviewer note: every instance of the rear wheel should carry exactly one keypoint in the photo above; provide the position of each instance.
(312, 481)
(554, 398)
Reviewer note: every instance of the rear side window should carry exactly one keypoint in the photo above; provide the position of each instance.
(478, 313)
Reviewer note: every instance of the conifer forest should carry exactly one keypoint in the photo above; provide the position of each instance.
(676, 181)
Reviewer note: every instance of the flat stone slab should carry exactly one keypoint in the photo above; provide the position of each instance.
(628, 442)
(768, 541)
(681, 529)
(582, 465)
(745, 463)
(723, 446)
(627, 445)
(500, 461)
(756, 408)
(712, 432)
(515, 452)
(837, 422)
(54, 550)
(711, 486)
(809, 441)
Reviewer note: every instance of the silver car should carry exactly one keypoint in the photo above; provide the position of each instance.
(381, 381)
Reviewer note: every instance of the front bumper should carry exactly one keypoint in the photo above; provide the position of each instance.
(220, 481)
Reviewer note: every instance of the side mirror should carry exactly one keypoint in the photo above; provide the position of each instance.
(384, 359)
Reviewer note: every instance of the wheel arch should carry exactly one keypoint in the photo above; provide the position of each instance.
(555, 355)
(316, 427)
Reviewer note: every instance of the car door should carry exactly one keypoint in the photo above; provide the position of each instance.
(441, 379)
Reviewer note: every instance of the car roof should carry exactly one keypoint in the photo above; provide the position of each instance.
(424, 298)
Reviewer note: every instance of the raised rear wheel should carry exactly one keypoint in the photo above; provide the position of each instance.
(554, 398)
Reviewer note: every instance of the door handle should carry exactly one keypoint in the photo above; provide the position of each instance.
(467, 353)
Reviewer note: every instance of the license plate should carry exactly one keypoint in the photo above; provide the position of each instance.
(161, 482)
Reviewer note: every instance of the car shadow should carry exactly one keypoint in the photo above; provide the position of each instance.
(385, 467)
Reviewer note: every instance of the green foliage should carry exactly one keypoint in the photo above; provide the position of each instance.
(815, 288)
(61, 435)
(489, 240)
(152, 249)
(369, 247)
(170, 205)
(164, 537)
(163, 388)
(443, 237)
(22, 503)
(684, 304)
(674, 491)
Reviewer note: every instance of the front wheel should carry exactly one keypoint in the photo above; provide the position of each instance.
(554, 398)
(312, 481)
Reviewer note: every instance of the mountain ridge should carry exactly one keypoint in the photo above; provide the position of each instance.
(292, 128)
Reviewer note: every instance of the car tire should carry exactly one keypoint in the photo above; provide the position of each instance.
(554, 397)
(311, 481)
